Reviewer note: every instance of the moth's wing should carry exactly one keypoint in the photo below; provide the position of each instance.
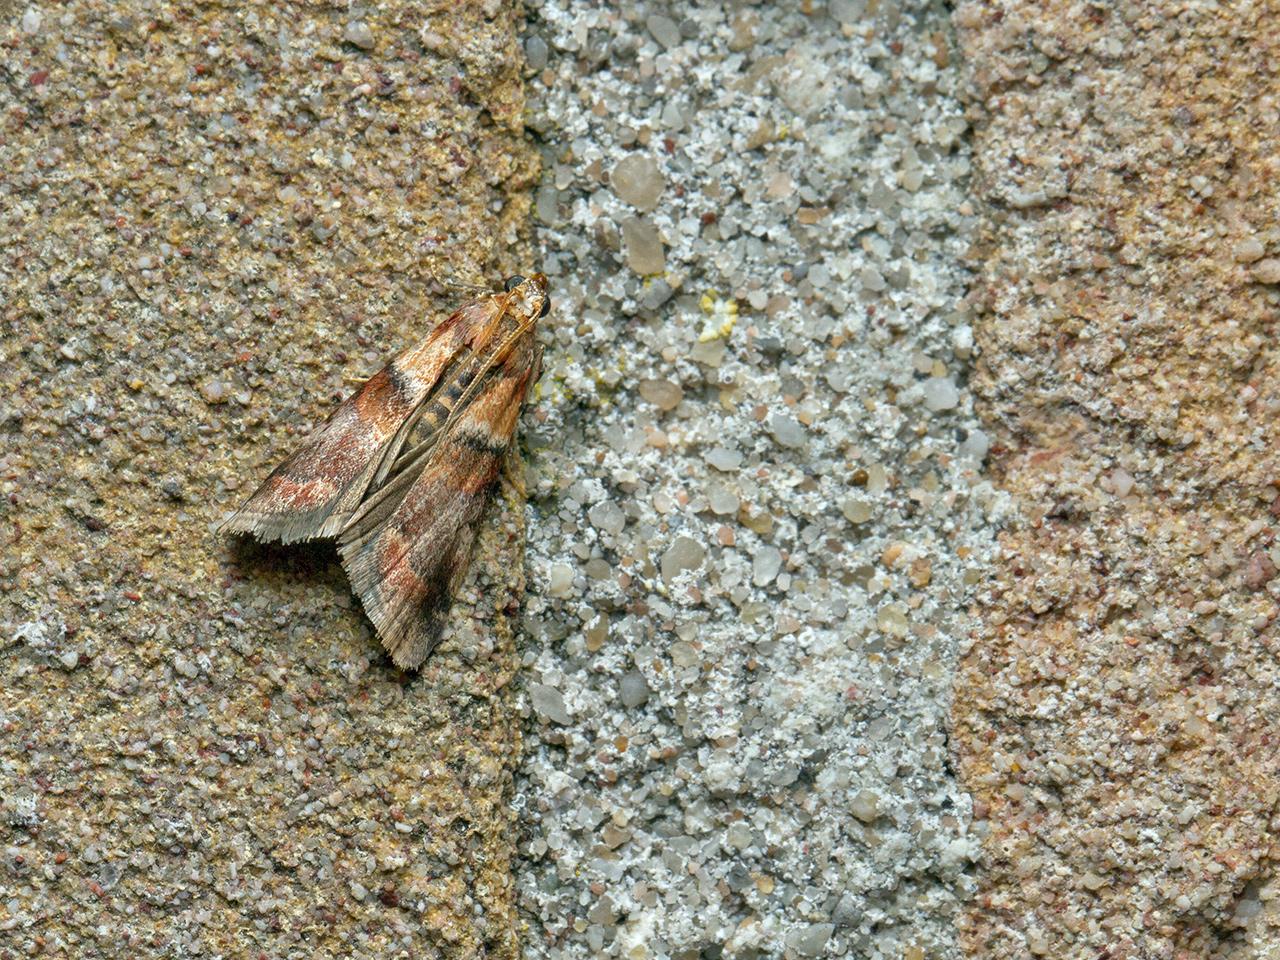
(406, 571)
(407, 551)
(316, 491)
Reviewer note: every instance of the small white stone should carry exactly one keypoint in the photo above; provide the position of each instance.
(765, 565)
(684, 554)
(940, 393)
(607, 517)
(358, 33)
(786, 430)
(560, 580)
(1121, 482)
(865, 806)
(1267, 271)
(723, 501)
(1249, 250)
(548, 702)
(976, 445)
(723, 459)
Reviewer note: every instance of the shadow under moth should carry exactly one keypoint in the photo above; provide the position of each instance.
(401, 472)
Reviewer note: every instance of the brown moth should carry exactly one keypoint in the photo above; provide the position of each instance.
(401, 472)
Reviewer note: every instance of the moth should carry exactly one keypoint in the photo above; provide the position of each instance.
(401, 472)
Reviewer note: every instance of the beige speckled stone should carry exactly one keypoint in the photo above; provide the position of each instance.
(211, 216)
(1115, 717)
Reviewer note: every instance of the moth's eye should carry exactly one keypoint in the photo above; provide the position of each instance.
(512, 283)
(546, 307)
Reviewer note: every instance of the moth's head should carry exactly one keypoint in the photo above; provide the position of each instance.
(528, 298)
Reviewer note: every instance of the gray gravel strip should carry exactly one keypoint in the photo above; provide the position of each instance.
(757, 505)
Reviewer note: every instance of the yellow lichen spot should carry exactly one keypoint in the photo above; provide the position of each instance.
(722, 314)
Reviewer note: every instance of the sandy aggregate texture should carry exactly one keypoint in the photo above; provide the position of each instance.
(1115, 715)
(211, 215)
(757, 508)
(900, 577)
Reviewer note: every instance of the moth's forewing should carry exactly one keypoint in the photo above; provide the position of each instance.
(315, 492)
(406, 562)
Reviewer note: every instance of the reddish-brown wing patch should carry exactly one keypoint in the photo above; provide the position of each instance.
(406, 557)
(317, 490)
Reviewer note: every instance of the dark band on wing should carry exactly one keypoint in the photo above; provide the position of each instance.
(402, 382)
(481, 442)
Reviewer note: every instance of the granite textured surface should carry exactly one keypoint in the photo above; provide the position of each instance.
(212, 215)
(757, 509)
(1115, 717)
(760, 535)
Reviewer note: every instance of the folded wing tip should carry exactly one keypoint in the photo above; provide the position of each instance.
(234, 523)
(406, 631)
(405, 661)
(269, 528)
